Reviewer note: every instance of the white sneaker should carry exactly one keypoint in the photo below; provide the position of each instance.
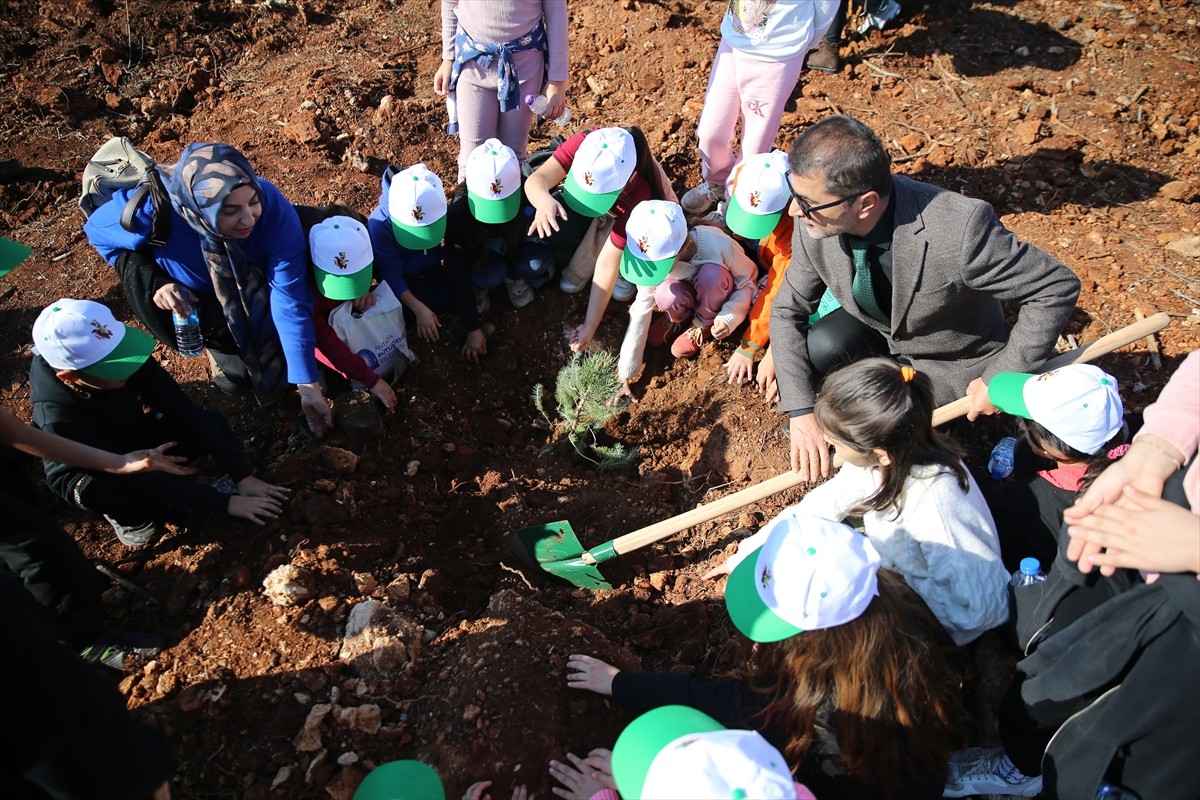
(701, 198)
(520, 293)
(717, 216)
(571, 287)
(624, 291)
(987, 770)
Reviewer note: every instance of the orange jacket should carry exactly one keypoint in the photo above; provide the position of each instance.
(775, 253)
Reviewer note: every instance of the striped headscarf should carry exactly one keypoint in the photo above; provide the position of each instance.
(198, 185)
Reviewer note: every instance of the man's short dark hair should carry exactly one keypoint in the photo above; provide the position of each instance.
(847, 153)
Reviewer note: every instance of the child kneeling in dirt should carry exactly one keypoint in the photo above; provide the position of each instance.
(89, 380)
(702, 276)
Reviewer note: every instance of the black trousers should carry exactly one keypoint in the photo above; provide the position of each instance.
(837, 339)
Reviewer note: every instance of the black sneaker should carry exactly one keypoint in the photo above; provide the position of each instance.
(127, 651)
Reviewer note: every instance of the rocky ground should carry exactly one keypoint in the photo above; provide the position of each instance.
(401, 626)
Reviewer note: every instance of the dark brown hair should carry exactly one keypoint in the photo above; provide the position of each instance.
(847, 153)
(869, 405)
(880, 681)
(1096, 462)
(646, 168)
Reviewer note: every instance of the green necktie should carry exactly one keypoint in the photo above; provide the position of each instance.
(862, 288)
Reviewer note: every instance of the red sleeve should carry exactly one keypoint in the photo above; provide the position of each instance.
(565, 154)
(775, 253)
(635, 192)
(333, 352)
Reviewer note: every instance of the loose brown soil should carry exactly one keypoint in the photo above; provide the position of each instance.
(1078, 121)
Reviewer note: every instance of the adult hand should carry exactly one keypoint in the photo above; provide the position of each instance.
(810, 453)
(175, 297)
(980, 404)
(363, 302)
(385, 394)
(579, 778)
(316, 409)
(441, 78)
(545, 219)
(740, 369)
(581, 338)
(153, 460)
(259, 510)
(1145, 466)
(475, 347)
(591, 674)
(1142, 532)
(251, 486)
(427, 323)
(556, 99)
(720, 329)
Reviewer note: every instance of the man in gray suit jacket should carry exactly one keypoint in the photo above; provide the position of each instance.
(920, 273)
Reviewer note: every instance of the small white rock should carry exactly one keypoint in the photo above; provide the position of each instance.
(346, 759)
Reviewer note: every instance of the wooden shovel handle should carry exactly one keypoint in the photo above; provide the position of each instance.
(1080, 355)
(942, 414)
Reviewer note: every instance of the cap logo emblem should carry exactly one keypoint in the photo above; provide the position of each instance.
(755, 198)
(100, 332)
(643, 243)
(418, 213)
(497, 186)
(1046, 375)
(765, 578)
(340, 261)
(587, 178)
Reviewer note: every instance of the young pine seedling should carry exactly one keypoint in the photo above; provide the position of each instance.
(586, 394)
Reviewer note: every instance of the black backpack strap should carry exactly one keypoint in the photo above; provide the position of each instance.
(160, 215)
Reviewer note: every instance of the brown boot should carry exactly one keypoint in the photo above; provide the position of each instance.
(824, 57)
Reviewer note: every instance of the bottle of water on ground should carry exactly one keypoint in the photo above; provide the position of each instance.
(1109, 791)
(187, 333)
(1030, 572)
(538, 103)
(1003, 458)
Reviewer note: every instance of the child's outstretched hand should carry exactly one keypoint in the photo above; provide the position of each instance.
(720, 329)
(722, 569)
(478, 791)
(740, 369)
(475, 347)
(580, 777)
(591, 674)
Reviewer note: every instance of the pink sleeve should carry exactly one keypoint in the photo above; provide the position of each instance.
(1175, 416)
(449, 28)
(555, 14)
(606, 794)
(802, 793)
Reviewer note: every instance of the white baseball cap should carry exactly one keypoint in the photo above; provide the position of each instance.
(811, 573)
(654, 235)
(341, 251)
(760, 194)
(602, 166)
(83, 335)
(417, 206)
(676, 752)
(493, 182)
(1079, 403)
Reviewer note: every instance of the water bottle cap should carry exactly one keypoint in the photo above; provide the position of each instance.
(529, 98)
(1030, 566)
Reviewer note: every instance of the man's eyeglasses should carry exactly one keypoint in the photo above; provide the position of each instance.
(808, 210)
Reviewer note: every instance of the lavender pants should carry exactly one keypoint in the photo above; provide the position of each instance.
(479, 115)
(701, 297)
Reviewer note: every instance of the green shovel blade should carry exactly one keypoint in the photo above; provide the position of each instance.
(555, 550)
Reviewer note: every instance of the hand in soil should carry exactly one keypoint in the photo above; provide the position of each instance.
(625, 391)
(251, 486)
(718, 571)
(476, 346)
(154, 460)
(581, 337)
(476, 791)
(317, 412)
(385, 394)
(810, 454)
(591, 674)
(580, 777)
(768, 387)
(427, 323)
(259, 510)
(740, 369)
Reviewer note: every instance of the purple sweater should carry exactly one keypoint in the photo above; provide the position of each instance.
(499, 21)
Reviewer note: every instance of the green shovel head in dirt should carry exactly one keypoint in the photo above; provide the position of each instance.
(555, 550)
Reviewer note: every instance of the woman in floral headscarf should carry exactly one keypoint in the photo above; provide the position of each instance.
(237, 254)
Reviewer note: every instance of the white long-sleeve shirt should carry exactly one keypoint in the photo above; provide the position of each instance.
(943, 542)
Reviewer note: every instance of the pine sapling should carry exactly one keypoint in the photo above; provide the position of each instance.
(586, 393)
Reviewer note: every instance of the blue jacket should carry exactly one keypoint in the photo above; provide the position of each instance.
(277, 244)
(393, 262)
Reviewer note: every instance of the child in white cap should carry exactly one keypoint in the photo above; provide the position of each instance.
(90, 381)
(1073, 422)
(407, 228)
(846, 679)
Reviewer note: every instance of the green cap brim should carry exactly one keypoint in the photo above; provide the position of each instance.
(640, 742)
(583, 201)
(747, 225)
(644, 273)
(494, 212)
(419, 237)
(1006, 391)
(344, 287)
(748, 612)
(401, 780)
(127, 358)
(11, 255)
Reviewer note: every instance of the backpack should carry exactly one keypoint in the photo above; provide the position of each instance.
(120, 165)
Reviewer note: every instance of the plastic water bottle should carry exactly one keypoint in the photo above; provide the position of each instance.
(1003, 458)
(538, 103)
(187, 333)
(878, 15)
(1109, 791)
(1030, 572)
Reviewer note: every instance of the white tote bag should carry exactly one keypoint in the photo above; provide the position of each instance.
(377, 335)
